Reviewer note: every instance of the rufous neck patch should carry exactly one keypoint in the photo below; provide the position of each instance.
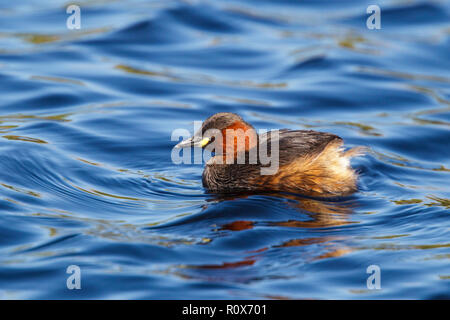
(238, 137)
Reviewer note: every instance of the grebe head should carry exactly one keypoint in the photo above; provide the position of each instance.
(222, 124)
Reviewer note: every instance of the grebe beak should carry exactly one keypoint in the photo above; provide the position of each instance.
(196, 142)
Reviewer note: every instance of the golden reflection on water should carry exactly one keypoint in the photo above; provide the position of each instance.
(203, 79)
(438, 202)
(129, 69)
(358, 43)
(397, 160)
(401, 75)
(5, 129)
(24, 118)
(57, 79)
(364, 128)
(243, 100)
(24, 138)
(130, 200)
(21, 190)
(396, 247)
(40, 38)
(361, 127)
(19, 117)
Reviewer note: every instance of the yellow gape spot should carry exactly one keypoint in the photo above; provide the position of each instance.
(204, 142)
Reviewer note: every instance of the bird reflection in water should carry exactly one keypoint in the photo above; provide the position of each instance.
(321, 214)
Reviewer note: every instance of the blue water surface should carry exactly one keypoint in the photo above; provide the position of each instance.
(86, 176)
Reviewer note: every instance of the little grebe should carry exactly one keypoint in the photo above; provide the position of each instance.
(309, 162)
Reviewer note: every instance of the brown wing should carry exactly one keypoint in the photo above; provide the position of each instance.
(295, 144)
